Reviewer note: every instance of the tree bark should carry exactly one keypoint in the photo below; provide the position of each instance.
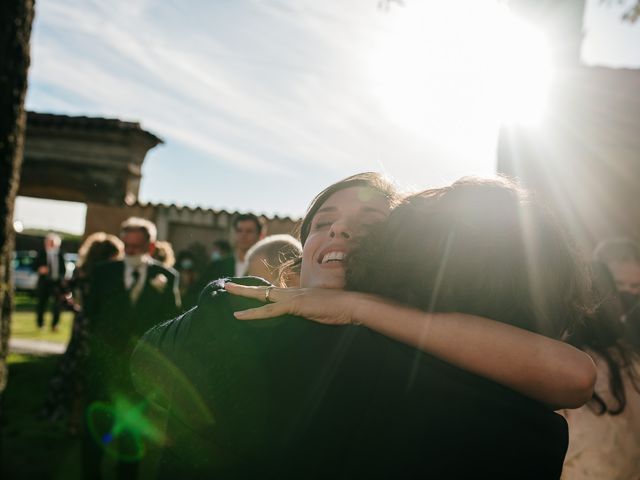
(16, 17)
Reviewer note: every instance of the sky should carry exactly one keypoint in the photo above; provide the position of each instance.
(262, 103)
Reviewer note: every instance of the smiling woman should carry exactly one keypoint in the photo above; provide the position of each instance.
(331, 234)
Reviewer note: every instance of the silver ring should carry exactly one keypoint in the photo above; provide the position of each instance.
(267, 292)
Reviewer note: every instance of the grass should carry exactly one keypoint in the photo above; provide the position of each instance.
(33, 448)
(23, 322)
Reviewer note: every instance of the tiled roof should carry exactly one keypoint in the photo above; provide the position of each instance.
(50, 120)
(216, 212)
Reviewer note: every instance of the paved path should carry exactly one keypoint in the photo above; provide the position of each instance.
(36, 347)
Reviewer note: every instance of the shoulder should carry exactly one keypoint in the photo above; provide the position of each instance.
(109, 266)
(214, 293)
(214, 311)
(157, 268)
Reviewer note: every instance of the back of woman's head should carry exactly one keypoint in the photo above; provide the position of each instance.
(478, 246)
(97, 248)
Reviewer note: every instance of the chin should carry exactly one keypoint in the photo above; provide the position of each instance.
(333, 283)
(333, 279)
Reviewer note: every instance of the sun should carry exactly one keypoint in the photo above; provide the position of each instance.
(459, 69)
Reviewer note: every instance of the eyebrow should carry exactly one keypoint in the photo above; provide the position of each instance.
(326, 209)
(374, 210)
(364, 209)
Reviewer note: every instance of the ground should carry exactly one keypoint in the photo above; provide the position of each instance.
(31, 448)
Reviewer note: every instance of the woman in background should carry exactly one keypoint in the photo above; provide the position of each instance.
(269, 259)
(604, 442)
(66, 387)
(164, 254)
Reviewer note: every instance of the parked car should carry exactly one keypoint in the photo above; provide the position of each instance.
(25, 276)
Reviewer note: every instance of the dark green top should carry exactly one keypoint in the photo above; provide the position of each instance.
(290, 398)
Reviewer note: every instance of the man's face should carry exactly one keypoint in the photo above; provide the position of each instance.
(336, 225)
(246, 235)
(136, 243)
(627, 276)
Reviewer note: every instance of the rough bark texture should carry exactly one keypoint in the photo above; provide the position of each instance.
(16, 17)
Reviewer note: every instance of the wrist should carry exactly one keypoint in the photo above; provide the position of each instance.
(361, 308)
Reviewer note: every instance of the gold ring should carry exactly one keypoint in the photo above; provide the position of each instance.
(267, 292)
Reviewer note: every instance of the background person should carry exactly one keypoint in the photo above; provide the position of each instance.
(248, 229)
(163, 253)
(67, 386)
(269, 258)
(51, 270)
(126, 298)
(189, 279)
(604, 434)
(622, 258)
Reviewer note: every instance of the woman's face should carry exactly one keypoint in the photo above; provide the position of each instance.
(343, 217)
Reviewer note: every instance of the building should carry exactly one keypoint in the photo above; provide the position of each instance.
(98, 161)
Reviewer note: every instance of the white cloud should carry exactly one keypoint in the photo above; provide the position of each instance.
(277, 89)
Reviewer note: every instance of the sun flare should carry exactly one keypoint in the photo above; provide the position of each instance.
(458, 71)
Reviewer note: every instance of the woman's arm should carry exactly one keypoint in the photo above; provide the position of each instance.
(539, 367)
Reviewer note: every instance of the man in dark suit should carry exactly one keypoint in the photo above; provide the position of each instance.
(248, 229)
(51, 272)
(126, 298)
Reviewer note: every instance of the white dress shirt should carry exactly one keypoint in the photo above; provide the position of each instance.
(135, 290)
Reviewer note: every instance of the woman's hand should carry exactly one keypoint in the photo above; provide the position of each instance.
(327, 306)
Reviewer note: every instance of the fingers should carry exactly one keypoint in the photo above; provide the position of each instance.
(257, 293)
(267, 311)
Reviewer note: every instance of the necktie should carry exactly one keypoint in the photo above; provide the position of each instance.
(135, 277)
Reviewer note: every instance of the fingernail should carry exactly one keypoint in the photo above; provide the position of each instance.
(231, 284)
(239, 314)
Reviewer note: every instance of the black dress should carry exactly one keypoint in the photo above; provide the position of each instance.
(290, 398)
(66, 387)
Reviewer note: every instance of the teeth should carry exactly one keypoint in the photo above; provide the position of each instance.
(333, 256)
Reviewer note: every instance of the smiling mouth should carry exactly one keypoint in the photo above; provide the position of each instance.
(332, 257)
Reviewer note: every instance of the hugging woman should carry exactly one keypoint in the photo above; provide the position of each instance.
(287, 397)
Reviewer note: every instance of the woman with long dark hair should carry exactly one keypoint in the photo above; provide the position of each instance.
(66, 388)
(605, 433)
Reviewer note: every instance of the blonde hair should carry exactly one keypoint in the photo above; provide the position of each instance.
(278, 251)
(137, 224)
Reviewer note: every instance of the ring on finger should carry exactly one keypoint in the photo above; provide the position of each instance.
(267, 292)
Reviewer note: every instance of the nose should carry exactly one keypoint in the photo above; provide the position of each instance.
(341, 229)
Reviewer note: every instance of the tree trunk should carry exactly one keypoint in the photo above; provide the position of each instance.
(16, 17)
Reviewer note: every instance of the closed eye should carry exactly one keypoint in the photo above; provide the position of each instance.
(321, 225)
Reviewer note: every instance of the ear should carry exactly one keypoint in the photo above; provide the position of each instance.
(152, 248)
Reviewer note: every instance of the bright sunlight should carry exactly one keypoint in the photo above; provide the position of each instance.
(471, 63)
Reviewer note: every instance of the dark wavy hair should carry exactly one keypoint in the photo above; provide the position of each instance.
(479, 246)
(603, 333)
(98, 248)
(375, 181)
